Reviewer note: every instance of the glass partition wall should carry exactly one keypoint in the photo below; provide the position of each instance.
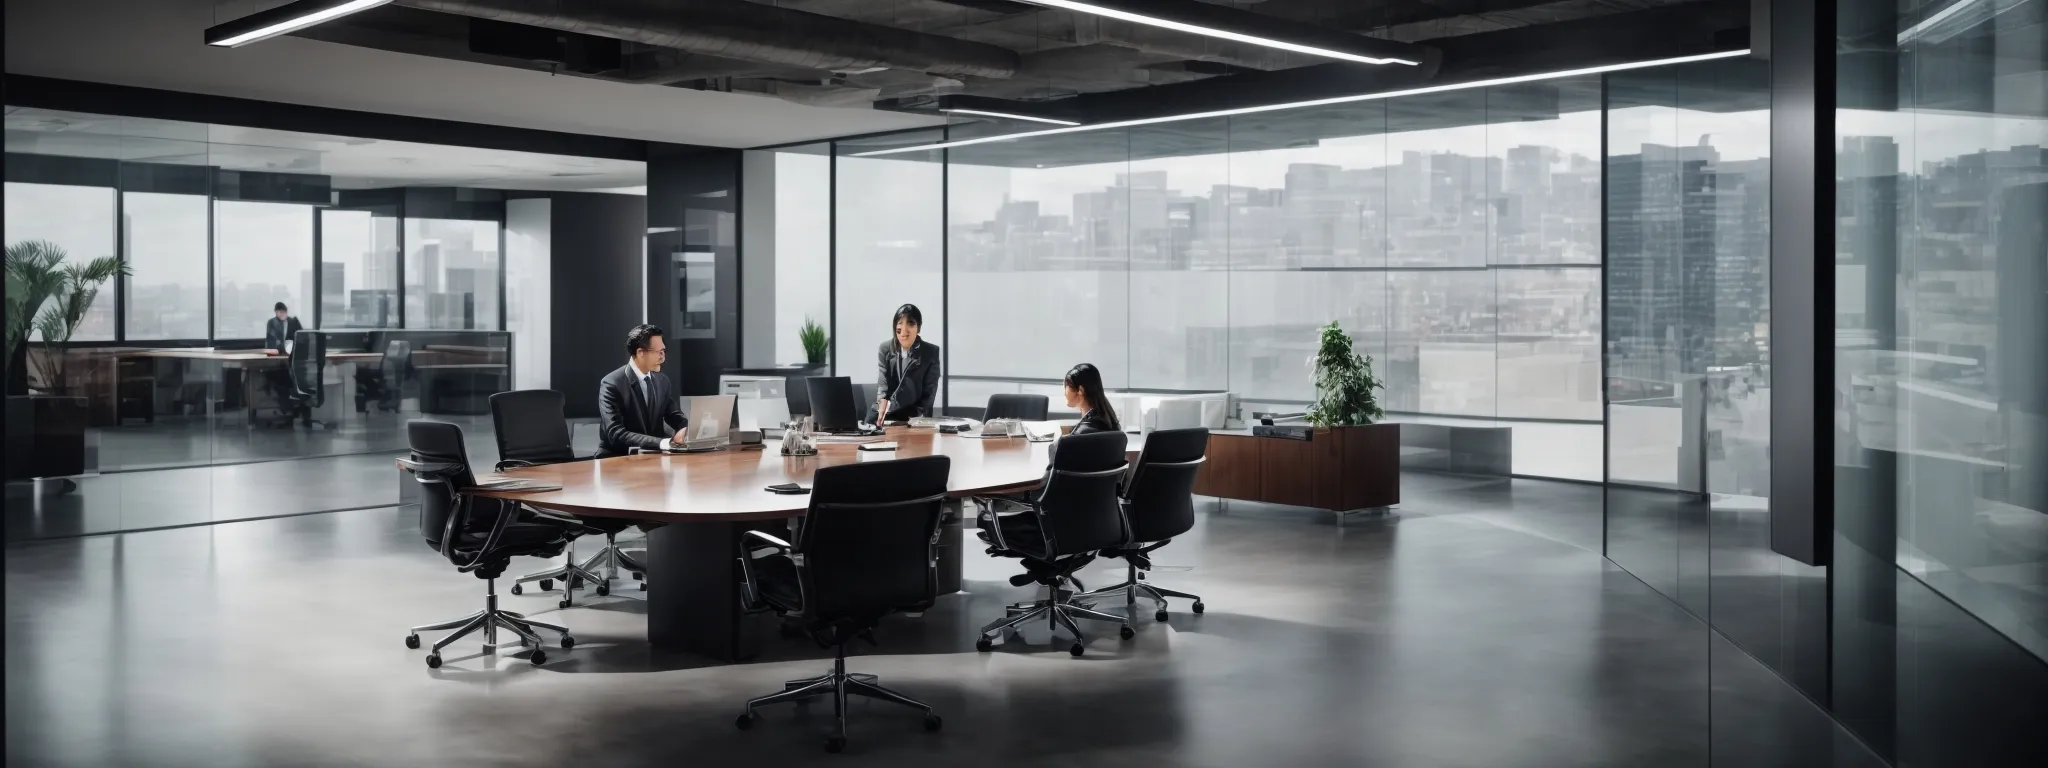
(163, 407)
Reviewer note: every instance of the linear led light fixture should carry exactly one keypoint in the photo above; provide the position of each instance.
(1312, 103)
(1221, 34)
(1008, 116)
(289, 17)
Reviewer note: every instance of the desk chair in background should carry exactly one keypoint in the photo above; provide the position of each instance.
(532, 431)
(302, 387)
(865, 549)
(1020, 407)
(798, 390)
(1159, 502)
(1074, 516)
(479, 536)
(384, 384)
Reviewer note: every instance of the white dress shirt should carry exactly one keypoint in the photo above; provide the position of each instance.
(646, 394)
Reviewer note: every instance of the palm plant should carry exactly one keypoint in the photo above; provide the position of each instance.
(814, 340)
(1344, 383)
(47, 296)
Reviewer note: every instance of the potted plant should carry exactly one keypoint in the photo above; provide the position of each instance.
(1347, 410)
(815, 343)
(46, 424)
(1344, 383)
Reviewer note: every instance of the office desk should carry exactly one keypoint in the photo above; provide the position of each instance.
(342, 397)
(709, 499)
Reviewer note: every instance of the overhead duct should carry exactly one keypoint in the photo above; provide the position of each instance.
(749, 32)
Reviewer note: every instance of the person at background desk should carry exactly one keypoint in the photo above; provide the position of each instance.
(279, 330)
(909, 376)
(278, 333)
(636, 404)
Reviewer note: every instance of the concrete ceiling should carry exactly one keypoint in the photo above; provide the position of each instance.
(159, 44)
(350, 163)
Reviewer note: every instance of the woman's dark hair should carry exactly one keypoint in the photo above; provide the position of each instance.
(1089, 380)
(641, 337)
(907, 313)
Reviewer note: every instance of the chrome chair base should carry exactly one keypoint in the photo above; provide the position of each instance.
(489, 621)
(1060, 608)
(838, 684)
(1135, 585)
(599, 570)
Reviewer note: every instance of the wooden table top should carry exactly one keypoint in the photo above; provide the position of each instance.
(727, 485)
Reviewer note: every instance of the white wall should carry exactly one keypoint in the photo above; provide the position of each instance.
(529, 290)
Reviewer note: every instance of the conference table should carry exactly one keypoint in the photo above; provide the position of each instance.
(707, 500)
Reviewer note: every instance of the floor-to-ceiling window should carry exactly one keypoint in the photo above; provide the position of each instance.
(1455, 236)
(451, 273)
(358, 269)
(79, 220)
(889, 244)
(262, 256)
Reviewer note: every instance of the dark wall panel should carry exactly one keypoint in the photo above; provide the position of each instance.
(596, 249)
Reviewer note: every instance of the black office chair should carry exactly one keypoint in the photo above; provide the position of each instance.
(532, 431)
(305, 387)
(864, 396)
(866, 548)
(1021, 407)
(1159, 502)
(384, 384)
(479, 535)
(799, 394)
(1061, 528)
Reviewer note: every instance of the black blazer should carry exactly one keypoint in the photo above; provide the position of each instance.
(1093, 421)
(913, 393)
(276, 332)
(624, 422)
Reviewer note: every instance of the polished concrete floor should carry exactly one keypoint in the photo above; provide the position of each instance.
(1472, 627)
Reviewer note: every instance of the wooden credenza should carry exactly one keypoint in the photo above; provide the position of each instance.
(1342, 470)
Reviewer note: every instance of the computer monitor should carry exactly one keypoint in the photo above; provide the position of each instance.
(832, 403)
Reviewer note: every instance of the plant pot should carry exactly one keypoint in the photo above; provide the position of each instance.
(45, 436)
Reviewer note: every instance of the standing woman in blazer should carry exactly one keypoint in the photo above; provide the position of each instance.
(909, 377)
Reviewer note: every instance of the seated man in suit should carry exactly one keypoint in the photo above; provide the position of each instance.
(637, 407)
(279, 330)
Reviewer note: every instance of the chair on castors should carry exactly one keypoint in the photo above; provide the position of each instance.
(532, 431)
(866, 548)
(1059, 530)
(479, 535)
(1159, 502)
(1020, 407)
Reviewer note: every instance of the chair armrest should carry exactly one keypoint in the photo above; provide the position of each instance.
(491, 541)
(427, 467)
(750, 586)
(514, 464)
(766, 538)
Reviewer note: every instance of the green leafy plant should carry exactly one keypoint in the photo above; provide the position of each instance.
(815, 341)
(1344, 383)
(49, 297)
